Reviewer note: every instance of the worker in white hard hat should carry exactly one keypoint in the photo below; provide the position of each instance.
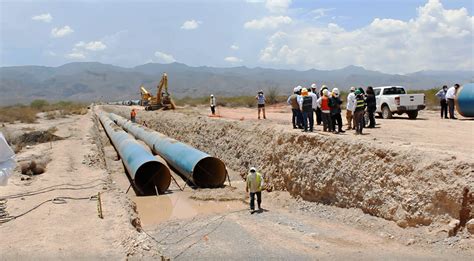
(297, 117)
(350, 108)
(213, 104)
(314, 89)
(254, 185)
(335, 105)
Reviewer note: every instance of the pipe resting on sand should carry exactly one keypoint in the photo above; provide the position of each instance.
(148, 174)
(200, 168)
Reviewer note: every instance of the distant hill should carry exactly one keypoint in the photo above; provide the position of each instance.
(96, 81)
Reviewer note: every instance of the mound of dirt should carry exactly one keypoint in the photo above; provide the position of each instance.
(406, 185)
(36, 137)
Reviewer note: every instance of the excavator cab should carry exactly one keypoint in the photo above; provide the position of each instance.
(163, 98)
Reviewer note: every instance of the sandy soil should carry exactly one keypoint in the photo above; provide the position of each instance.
(70, 228)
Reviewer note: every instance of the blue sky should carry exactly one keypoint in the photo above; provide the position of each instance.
(392, 36)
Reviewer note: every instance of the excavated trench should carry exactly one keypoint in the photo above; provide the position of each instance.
(408, 186)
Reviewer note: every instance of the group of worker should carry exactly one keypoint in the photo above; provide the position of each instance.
(446, 100)
(326, 105)
(261, 100)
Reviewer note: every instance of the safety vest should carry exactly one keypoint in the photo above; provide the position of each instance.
(258, 180)
(360, 103)
(325, 104)
(307, 103)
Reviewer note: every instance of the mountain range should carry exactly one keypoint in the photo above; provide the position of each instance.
(92, 81)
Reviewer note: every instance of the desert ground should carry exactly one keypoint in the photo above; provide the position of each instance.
(388, 194)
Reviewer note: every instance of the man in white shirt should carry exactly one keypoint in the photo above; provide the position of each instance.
(450, 95)
(350, 107)
(213, 104)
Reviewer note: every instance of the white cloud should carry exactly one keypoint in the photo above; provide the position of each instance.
(233, 59)
(191, 25)
(91, 46)
(77, 55)
(234, 47)
(277, 6)
(61, 32)
(268, 22)
(164, 57)
(254, 1)
(320, 12)
(47, 18)
(435, 39)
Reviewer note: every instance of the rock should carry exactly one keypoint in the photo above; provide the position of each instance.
(410, 241)
(451, 226)
(146, 247)
(470, 226)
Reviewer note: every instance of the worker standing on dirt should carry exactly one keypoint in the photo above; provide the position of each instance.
(350, 107)
(450, 95)
(254, 186)
(297, 117)
(335, 107)
(213, 104)
(441, 94)
(317, 111)
(305, 102)
(371, 106)
(359, 112)
(323, 104)
(261, 103)
(133, 115)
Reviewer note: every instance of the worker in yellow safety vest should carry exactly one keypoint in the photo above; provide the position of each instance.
(254, 185)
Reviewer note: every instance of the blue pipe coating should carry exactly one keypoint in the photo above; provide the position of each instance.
(465, 100)
(148, 174)
(198, 167)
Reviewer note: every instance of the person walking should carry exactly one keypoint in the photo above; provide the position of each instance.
(371, 106)
(335, 109)
(441, 94)
(305, 102)
(254, 185)
(261, 103)
(323, 104)
(450, 95)
(359, 112)
(314, 89)
(297, 117)
(350, 107)
(213, 104)
(133, 115)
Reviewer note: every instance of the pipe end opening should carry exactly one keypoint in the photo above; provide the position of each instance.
(152, 177)
(209, 172)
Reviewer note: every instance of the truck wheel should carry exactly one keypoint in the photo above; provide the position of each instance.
(386, 113)
(412, 114)
(379, 114)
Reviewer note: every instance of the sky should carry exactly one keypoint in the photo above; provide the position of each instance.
(393, 36)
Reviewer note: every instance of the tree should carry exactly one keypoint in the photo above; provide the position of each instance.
(272, 95)
(39, 104)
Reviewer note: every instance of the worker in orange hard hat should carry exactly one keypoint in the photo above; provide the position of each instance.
(133, 115)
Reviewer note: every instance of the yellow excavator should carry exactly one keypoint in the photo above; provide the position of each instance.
(163, 98)
(145, 96)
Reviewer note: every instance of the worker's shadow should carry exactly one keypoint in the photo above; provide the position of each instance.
(260, 211)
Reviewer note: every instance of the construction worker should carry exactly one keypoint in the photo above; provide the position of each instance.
(254, 186)
(335, 103)
(261, 103)
(314, 89)
(213, 104)
(359, 112)
(441, 94)
(297, 117)
(305, 102)
(350, 107)
(450, 95)
(323, 104)
(133, 115)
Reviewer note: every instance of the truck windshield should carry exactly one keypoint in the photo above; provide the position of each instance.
(393, 90)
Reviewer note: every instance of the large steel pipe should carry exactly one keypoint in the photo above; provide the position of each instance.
(465, 100)
(148, 174)
(200, 168)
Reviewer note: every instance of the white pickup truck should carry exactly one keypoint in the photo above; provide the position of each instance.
(394, 99)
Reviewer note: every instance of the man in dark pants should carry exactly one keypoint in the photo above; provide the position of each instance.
(450, 95)
(371, 106)
(305, 102)
(314, 89)
(442, 101)
(297, 117)
(254, 185)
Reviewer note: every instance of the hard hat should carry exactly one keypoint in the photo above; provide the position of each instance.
(324, 87)
(299, 87)
(304, 91)
(325, 92)
(212, 95)
(353, 89)
(313, 86)
(335, 91)
(253, 169)
(357, 92)
(295, 89)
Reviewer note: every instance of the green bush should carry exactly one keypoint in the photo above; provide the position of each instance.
(39, 104)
